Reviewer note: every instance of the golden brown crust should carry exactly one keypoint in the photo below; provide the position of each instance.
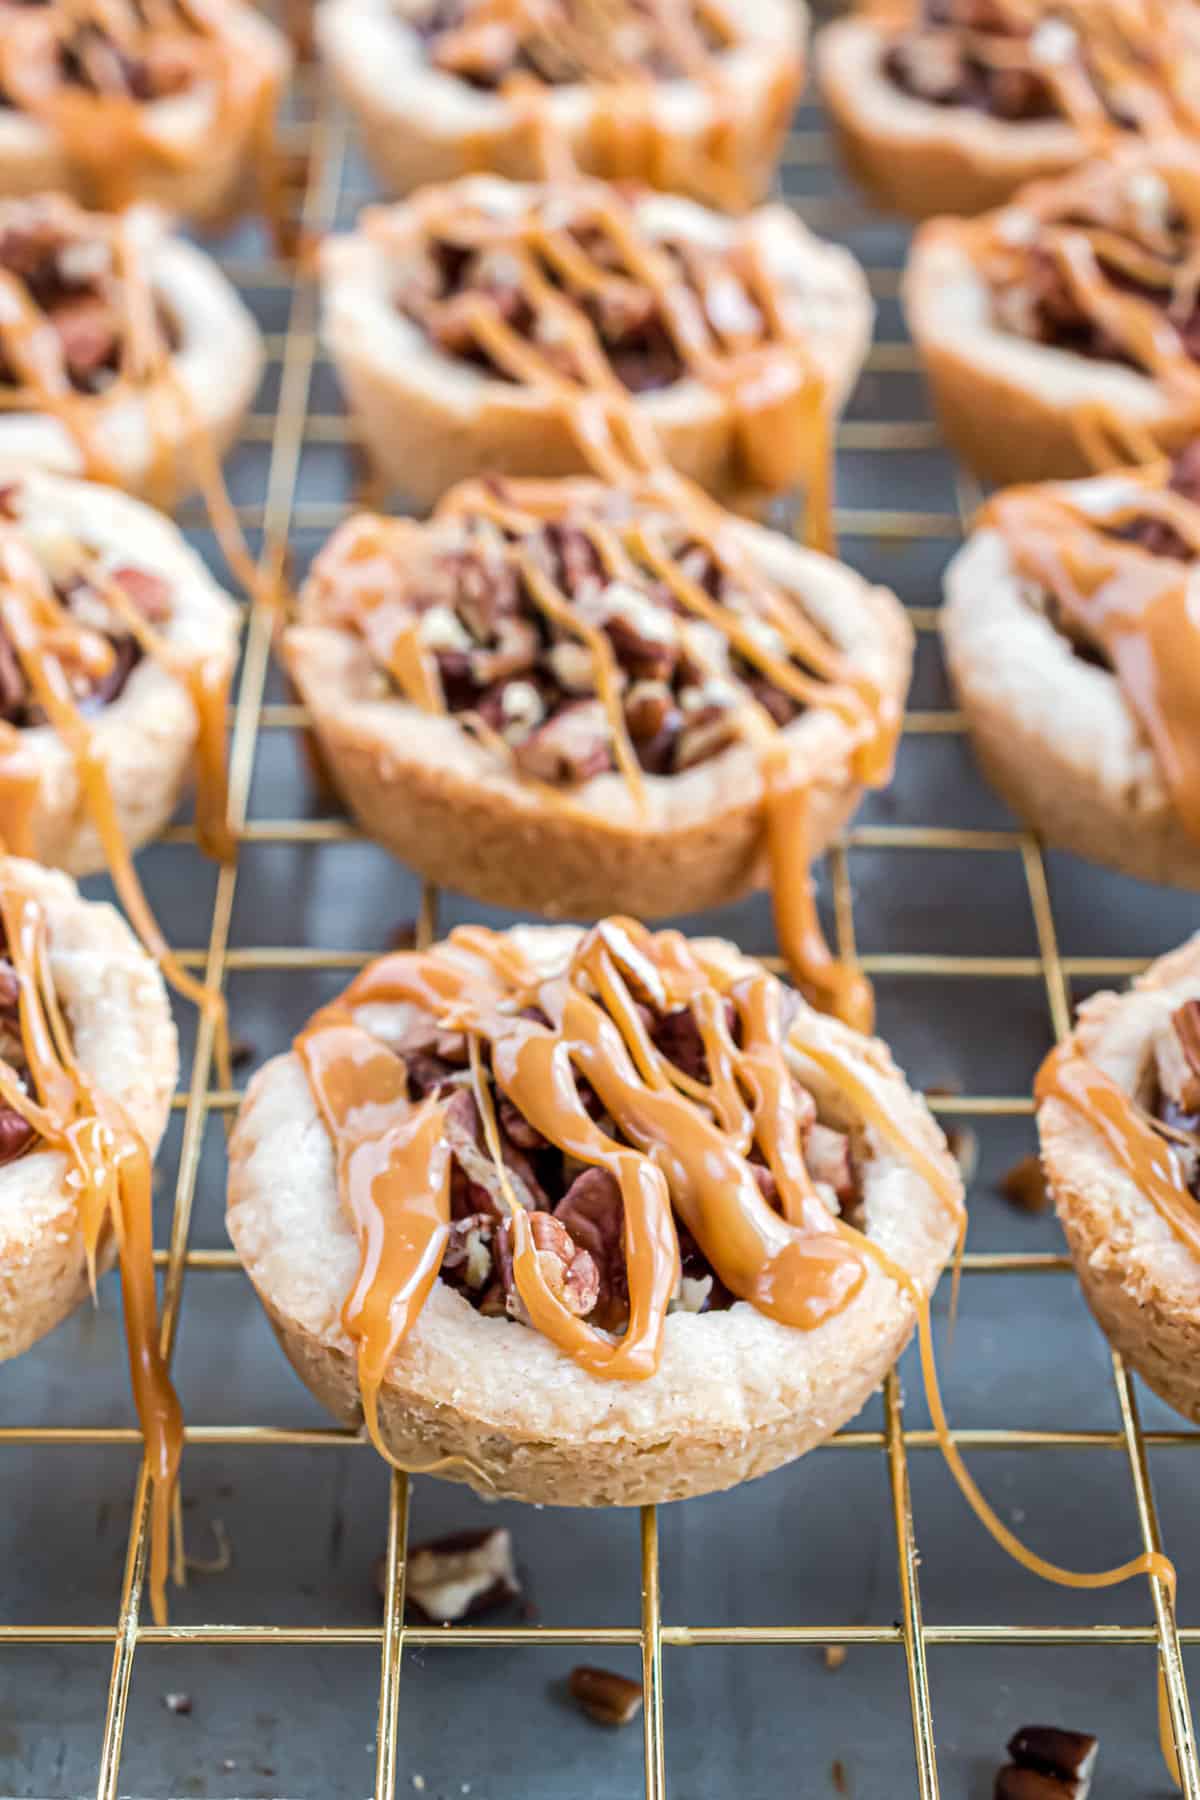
(919, 159)
(428, 420)
(1141, 1283)
(735, 1395)
(124, 1037)
(420, 126)
(447, 807)
(147, 736)
(1053, 732)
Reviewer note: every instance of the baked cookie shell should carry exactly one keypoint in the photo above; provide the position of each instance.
(420, 125)
(428, 420)
(919, 159)
(1141, 1283)
(146, 737)
(122, 1030)
(1052, 732)
(1003, 402)
(205, 170)
(425, 788)
(217, 363)
(735, 1396)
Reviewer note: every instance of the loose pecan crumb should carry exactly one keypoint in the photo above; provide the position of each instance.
(606, 1697)
(1025, 1185)
(460, 1576)
(1048, 1763)
(835, 1655)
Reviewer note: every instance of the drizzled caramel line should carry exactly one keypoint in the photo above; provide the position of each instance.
(1138, 607)
(28, 607)
(109, 1172)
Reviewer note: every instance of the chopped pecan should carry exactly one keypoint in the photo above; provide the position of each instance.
(149, 592)
(594, 1214)
(572, 746)
(1071, 1755)
(464, 1134)
(459, 1576)
(1025, 1185)
(1015, 1781)
(468, 1253)
(1177, 1057)
(606, 1697)
(16, 1134)
(88, 329)
(677, 1035)
(568, 1270)
(649, 708)
(827, 1153)
(513, 651)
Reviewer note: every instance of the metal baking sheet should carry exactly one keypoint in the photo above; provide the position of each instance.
(947, 910)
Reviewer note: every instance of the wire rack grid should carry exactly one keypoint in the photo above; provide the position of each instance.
(287, 428)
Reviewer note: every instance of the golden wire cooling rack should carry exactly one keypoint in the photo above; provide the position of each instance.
(950, 857)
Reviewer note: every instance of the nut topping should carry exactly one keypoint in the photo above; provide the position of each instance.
(606, 1697)
(460, 1576)
(1177, 1057)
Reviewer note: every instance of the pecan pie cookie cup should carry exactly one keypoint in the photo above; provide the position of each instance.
(125, 354)
(119, 1025)
(1070, 639)
(951, 106)
(581, 1344)
(492, 327)
(693, 98)
(1120, 1133)
(564, 697)
(1065, 322)
(112, 102)
(144, 640)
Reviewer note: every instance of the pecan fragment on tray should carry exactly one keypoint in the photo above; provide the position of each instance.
(460, 1576)
(606, 1697)
(1024, 1186)
(1048, 1763)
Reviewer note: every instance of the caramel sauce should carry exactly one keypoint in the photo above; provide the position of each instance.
(1136, 606)
(682, 1142)
(110, 1173)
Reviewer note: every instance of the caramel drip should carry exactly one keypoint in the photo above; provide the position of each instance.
(1137, 607)
(25, 601)
(110, 1172)
(114, 140)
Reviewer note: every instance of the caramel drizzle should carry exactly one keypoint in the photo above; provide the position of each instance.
(1137, 607)
(113, 139)
(728, 166)
(375, 549)
(110, 1173)
(684, 1144)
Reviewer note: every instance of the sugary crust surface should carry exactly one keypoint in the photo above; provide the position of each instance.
(428, 421)
(116, 1006)
(917, 158)
(1141, 1283)
(445, 805)
(1004, 403)
(419, 125)
(146, 737)
(1052, 731)
(735, 1395)
(204, 169)
(143, 433)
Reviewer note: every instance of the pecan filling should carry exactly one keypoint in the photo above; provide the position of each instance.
(1176, 1089)
(568, 41)
(16, 1134)
(577, 1215)
(60, 264)
(97, 650)
(971, 53)
(524, 273)
(468, 588)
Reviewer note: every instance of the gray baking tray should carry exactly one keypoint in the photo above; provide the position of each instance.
(974, 940)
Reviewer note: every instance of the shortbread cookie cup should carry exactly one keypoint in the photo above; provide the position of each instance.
(428, 420)
(1141, 1283)
(143, 431)
(116, 1007)
(735, 1395)
(1052, 731)
(433, 794)
(146, 737)
(419, 125)
(1006, 405)
(919, 159)
(205, 169)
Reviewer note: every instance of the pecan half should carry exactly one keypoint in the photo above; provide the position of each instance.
(606, 1697)
(594, 1214)
(569, 1271)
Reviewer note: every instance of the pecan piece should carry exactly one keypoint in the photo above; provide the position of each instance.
(594, 1214)
(1177, 1057)
(1025, 1185)
(459, 1576)
(606, 1697)
(569, 1271)
(16, 1134)
(571, 746)
(827, 1153)
(1071, 1755)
